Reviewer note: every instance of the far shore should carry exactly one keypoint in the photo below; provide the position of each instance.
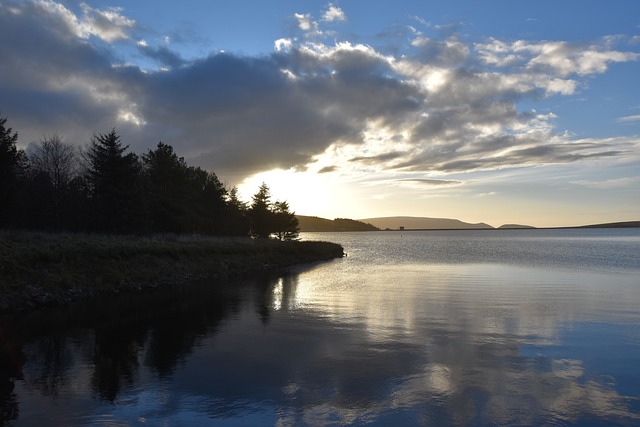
(46, 269)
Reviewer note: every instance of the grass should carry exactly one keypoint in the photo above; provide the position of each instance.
(52, 268)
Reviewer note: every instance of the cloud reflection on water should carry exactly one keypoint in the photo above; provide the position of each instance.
(473, 341)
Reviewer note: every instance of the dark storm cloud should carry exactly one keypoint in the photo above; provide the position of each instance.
(246, 113)
(433, 107)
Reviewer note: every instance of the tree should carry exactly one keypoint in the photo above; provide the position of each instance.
(13, 165)
(166, 189)
(113, 177)
(285, 222)
(237, 221)
(260, 215)
(268, 218)
(206, 201)
(57, 159)
(54, 163)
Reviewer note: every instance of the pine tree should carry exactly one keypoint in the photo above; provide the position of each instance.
(166, 189)
(268, 218)
(237, 220)
(113, 177)
(260, 214)
(204, 201)
(285, 222)
(13, 165)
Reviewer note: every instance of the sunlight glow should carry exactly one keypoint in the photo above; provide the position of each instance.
(306, 192)
(131, 117)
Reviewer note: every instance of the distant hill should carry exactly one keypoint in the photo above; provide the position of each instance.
(314, 223)
(422, 223)
(625, 224)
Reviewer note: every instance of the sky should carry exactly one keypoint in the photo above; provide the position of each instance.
(497, 111)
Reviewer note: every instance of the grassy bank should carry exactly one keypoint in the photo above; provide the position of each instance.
(45, 269)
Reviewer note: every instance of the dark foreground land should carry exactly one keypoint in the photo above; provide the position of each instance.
(42, 269)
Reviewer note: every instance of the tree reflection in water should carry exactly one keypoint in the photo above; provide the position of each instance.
(11, 363)
(111, 337)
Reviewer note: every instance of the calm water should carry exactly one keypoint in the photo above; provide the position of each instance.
(467, 328)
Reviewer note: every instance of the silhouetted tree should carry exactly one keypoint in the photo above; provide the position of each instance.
(237, 220)
(79, 204)
(106, 188)
(13, 165)
(206, 201)
(37, 209)
(260, 215)
(57, 158)
(285, 222)
(268, 218)
(53, 164)
(166, 187)
(113, 177)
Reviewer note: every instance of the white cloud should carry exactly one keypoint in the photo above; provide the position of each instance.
(307, 24)
(421, 21)
(130, 116)
(282, 44)
(497, 53)
(57, 11)
(628, 119)
(334, 13)
(628, 182)
(109, 25)
(559, 58)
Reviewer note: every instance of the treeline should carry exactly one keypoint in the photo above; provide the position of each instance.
(103, 187)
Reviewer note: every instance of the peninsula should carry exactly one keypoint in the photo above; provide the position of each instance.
(43, 269)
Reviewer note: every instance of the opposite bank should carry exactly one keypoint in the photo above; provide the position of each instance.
(44, 269)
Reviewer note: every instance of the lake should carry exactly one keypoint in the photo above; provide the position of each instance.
(431, 328)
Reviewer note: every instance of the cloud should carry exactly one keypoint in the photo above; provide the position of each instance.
(162, 54)
(627, 182)
(378, 158)
(436, 105)
(282, 44)
(628, 119)
(306, 23)
(334, 13)
(558, 58)
(109, 25)
(327, 169)
(431, 182)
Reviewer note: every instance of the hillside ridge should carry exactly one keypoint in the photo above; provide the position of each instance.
(423, 223)
(314, 223)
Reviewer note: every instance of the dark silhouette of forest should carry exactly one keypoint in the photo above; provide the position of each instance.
(103, 187)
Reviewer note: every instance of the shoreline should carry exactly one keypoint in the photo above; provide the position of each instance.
(40, 269)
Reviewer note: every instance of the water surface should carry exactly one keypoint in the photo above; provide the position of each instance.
(467, 328)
